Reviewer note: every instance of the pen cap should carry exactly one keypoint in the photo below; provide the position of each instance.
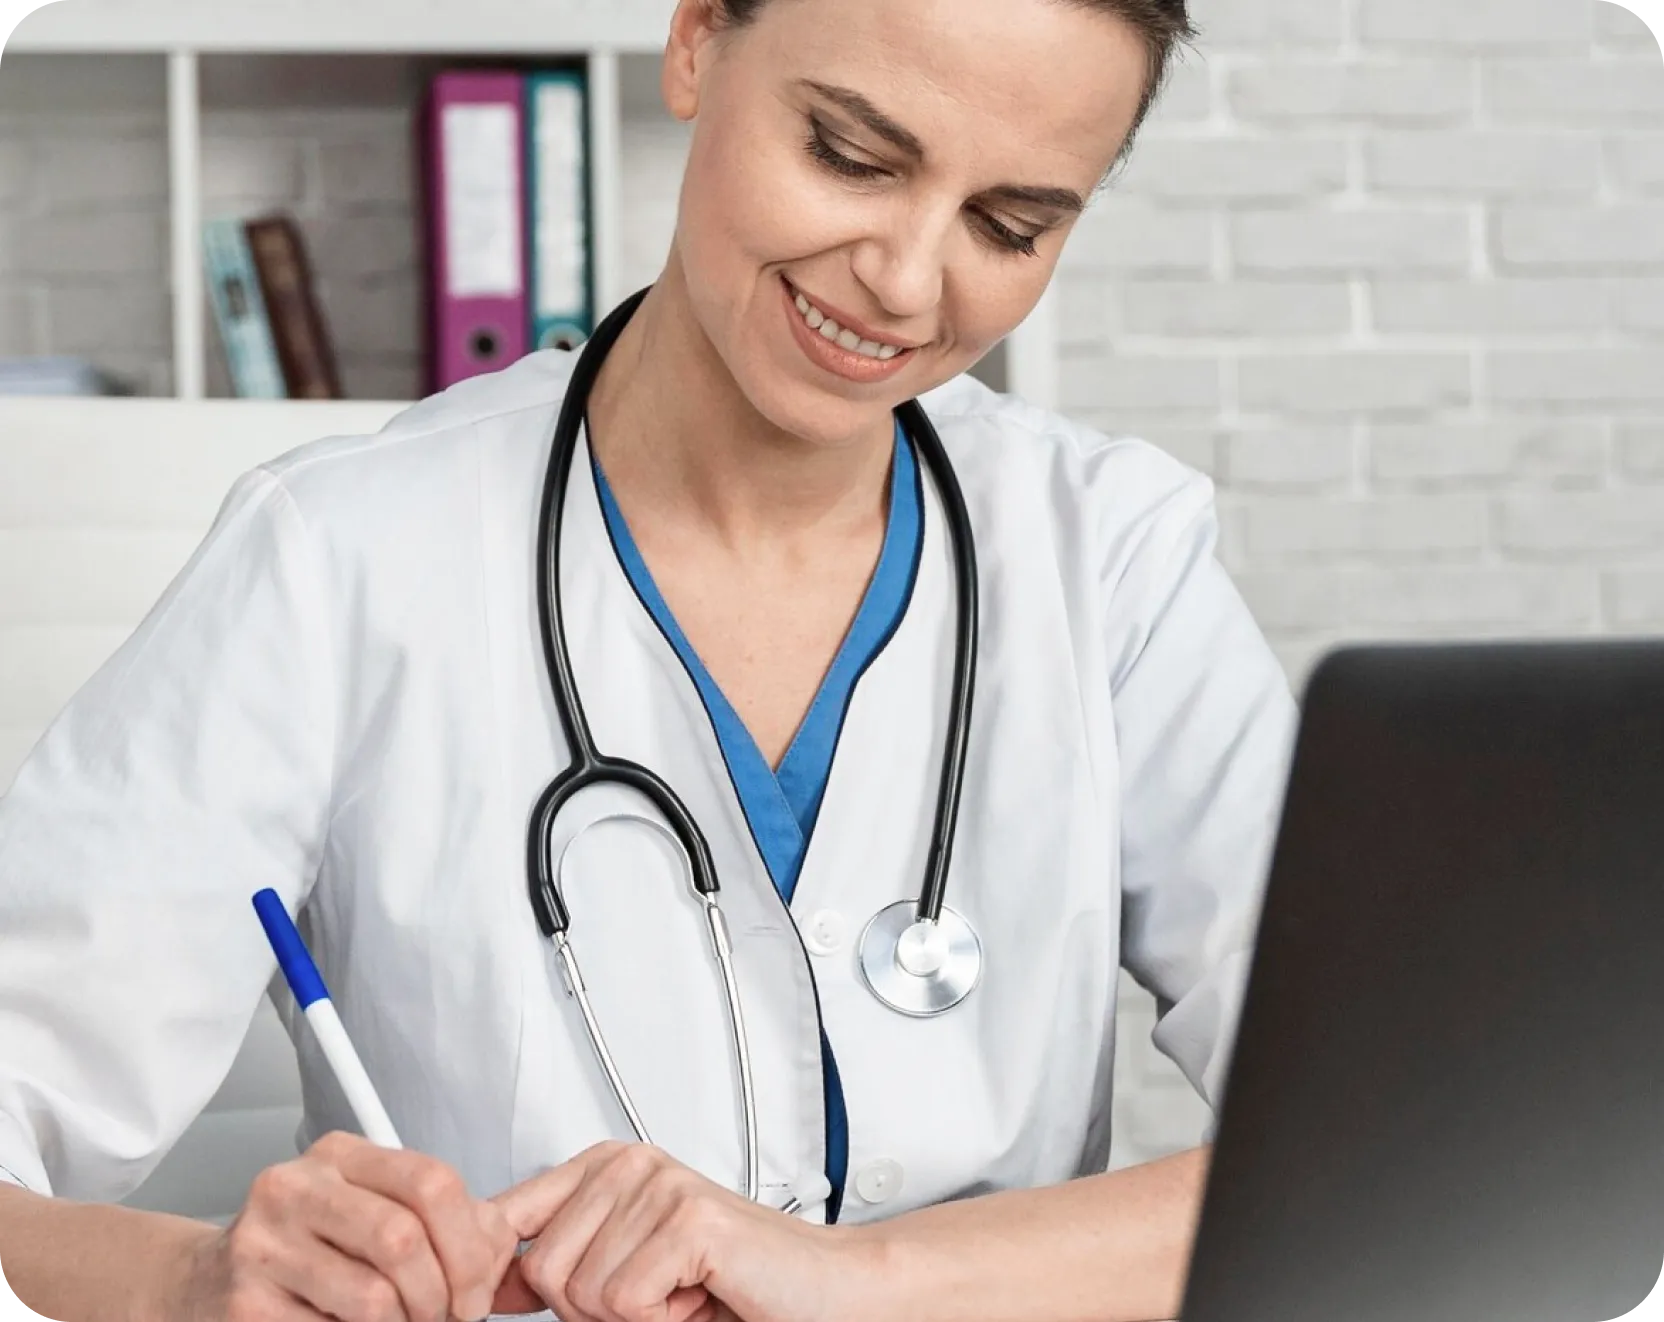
(304, 979)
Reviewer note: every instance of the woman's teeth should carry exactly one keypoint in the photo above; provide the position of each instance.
(844, 339)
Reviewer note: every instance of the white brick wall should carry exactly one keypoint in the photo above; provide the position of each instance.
(1439, 368)
(1392, 271)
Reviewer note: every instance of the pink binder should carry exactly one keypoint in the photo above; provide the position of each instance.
(476, 297)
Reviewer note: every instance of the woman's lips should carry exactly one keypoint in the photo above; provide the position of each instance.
(846, 363)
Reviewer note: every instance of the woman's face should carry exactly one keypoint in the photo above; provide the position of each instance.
(913, 165)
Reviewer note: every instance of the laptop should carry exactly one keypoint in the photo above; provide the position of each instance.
(1446, 1102)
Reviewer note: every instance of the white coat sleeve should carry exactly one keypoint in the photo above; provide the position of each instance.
(1204, 723)
(191, 771)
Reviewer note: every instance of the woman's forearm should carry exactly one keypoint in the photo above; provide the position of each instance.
(1104, 1248)
(88, 1262)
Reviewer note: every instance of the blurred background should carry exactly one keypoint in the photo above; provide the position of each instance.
(1390, 271)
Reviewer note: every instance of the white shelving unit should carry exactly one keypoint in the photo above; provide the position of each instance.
(187, 34)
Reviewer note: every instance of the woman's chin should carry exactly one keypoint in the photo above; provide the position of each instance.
(823, 420)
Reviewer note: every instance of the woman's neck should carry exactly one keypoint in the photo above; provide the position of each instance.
(680, 442)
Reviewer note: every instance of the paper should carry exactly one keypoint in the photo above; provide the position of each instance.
(560, 241)
(482, 201)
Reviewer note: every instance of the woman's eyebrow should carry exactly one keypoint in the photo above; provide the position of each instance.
(875, 120)
(869, 115)
(1058, 199)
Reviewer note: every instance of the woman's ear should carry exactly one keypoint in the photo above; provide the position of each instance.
(686, 54)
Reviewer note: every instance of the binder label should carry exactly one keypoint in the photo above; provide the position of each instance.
(559, 279)
(482, 201)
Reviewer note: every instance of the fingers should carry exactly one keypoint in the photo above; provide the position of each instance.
(238, 1281)
(514, 1295)
(658, 1281)
(341, 1286)
(527, 1206)
(647, 1224)
(605, 1286)
(272, 1267)
(621, 1233)
(359, 1234)
(368, 1228)
(287, 1307)
(588, 1197)
(435, 1221)
(269, 1302)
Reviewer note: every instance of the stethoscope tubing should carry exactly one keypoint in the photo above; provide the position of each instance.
(588, 762)
(590, 768)
(963, 541)
(721, 945)
(547, 901)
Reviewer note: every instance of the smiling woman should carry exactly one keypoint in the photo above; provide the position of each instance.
(833, 618)
(935, 154)
(910, 172)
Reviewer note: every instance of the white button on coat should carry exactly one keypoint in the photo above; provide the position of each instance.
(878, 1181)
(826, 932)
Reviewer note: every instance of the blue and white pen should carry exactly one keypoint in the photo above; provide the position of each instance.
(313, 998)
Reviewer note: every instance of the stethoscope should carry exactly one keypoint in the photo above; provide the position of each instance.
(919, 958)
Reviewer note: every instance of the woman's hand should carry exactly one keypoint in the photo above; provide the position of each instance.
(624, 1233)
(350, 1231)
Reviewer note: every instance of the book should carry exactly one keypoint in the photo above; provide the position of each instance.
(304, 350)
(240, 312)
(56, 375)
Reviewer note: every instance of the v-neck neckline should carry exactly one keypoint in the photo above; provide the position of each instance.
(782, 804)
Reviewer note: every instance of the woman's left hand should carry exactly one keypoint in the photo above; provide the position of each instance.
(625, 1233)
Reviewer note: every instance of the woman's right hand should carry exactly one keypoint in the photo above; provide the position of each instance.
(349, 1231)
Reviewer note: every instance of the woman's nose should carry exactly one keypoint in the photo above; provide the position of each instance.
(903, 264)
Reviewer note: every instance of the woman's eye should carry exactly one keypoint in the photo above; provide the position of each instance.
(1007, 237)
(821, 148)
(821, 145)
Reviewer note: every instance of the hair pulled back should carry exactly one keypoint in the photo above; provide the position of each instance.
(1162, 25)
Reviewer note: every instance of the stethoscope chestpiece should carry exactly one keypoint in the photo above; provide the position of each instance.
(919, 968)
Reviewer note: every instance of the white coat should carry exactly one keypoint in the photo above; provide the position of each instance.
(342, 696)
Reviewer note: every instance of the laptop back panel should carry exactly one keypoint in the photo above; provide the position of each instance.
(1447, 1095)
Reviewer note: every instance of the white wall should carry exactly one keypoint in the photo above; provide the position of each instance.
(1392, 271)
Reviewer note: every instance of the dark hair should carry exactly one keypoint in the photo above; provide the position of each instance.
(1161, 24)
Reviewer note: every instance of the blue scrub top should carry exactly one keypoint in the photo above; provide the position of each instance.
(781, 805)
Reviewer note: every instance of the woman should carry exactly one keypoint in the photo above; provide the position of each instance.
(343, 697)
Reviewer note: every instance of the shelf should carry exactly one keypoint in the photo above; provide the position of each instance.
(329, 138)
(255, 429)
(533, 27)
(276, 92)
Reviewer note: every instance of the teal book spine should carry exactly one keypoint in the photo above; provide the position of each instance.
(240, 312)
(558, 224)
